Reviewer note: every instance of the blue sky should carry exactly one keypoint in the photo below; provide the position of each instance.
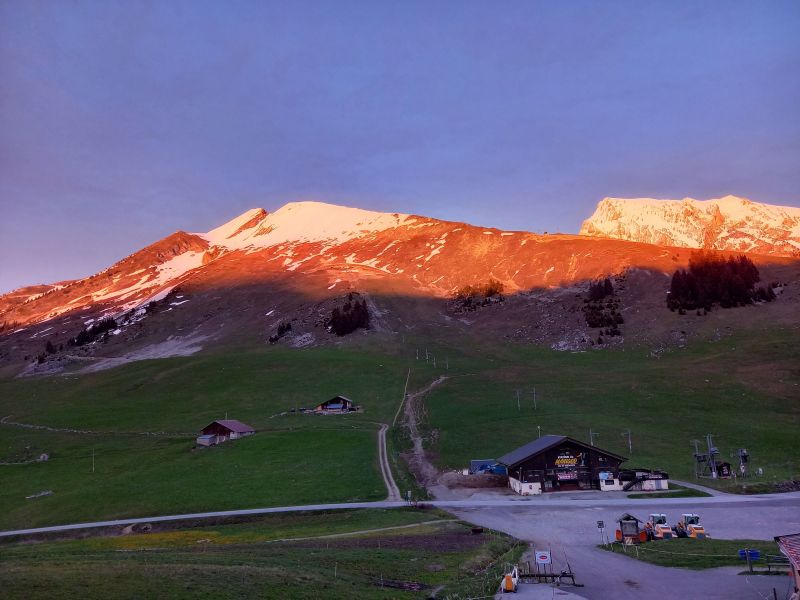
(121, 122)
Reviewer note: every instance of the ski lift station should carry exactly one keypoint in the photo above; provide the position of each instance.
(557, 462)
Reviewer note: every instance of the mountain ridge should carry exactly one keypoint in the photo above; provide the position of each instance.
(262, 269)
(730, 223)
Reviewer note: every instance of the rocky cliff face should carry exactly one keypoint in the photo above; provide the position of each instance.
(729, 223)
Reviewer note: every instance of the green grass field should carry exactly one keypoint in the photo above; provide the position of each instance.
(278, 556)
(294, 459)
(687, 553)
(744, 389)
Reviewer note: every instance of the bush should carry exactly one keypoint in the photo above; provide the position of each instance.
(283, 329)
(472, 296)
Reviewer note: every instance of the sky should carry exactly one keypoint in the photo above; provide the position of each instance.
(123, 121)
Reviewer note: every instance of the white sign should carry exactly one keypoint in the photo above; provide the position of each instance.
(543, 557)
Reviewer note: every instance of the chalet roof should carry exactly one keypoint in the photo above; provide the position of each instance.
(543, 443)
(790, 546)
(233, 425)
(342, 398)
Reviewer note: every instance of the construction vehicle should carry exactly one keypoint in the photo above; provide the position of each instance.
(629, 531)
(689, 526)
(657, 528)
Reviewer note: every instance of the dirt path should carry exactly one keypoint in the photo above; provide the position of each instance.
(361, 531)
(386, 470)
(422, 468)
(5, 421)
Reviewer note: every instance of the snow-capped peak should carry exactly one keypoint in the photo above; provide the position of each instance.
(219, 235)
(301, 222)
(727, 223)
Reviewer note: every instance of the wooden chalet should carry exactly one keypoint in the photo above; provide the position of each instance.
(557, 462)
(790, 547)
(338, 404)
(218, 432)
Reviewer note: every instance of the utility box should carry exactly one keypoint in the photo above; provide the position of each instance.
(525, 489)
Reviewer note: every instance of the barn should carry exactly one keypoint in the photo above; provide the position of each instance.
(218, 432)
(556, 462)
(338, 404)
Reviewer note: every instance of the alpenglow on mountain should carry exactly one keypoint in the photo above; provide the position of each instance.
(730, 223)
(248, 280)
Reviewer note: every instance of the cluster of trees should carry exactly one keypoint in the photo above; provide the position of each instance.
(601, 309)
(470, 297)
(713, 279)
(353, 315)
(90, 334)
(600, 289)
(283, 329)
(49, 348)
(8, 325)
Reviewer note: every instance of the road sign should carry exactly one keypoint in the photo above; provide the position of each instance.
(543, 557)
(601, 525)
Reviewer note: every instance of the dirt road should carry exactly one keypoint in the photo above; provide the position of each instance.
(418, 462)
(386, 470)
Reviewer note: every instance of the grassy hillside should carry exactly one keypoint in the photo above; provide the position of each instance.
(401, 553)
(745, 389)
(294, 459)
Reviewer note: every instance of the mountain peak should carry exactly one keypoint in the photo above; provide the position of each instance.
(305, 221)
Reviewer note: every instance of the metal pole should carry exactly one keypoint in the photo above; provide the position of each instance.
(92, 460)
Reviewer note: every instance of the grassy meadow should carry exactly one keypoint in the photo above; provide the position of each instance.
(744, 389)
(276, 556)
(294, 459)
(686, 553)
(139, 420)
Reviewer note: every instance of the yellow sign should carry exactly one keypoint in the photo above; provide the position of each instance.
(566, 459)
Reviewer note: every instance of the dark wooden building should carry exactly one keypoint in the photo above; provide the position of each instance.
(222, 431)
(337, 404)
(557, 462)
